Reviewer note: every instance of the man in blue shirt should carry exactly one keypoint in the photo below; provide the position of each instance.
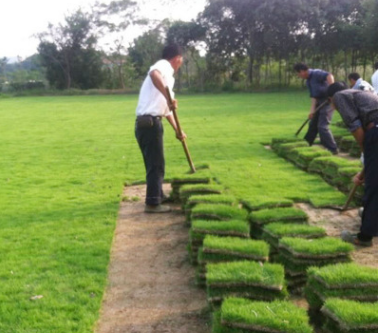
(317, 82)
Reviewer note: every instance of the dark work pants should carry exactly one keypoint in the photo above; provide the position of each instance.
(150, 142)
(320, 124)
(369, 226)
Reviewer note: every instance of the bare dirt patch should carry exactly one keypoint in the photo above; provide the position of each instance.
(151, 282)
(334, 222)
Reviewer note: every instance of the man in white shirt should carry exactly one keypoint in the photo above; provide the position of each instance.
(357, 83)
(374, 78)
(153, 105)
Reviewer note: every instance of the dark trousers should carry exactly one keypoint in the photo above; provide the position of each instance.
(320, 124)
(369, 226)
(150, 142)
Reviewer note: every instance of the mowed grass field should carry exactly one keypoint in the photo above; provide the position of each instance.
(63, 163)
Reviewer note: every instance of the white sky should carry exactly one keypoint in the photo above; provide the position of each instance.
(21, 19)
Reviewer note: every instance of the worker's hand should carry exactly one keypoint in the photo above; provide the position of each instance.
(181, 137)
(174, 105)
(310, 115)
(358, 179)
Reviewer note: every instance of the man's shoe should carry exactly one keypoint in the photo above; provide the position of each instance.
(348, 237)
(157, 209)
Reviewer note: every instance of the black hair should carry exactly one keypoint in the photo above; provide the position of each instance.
(354, 76)
(171, 51)
(376, 65)
(300, 66)
(336, 87)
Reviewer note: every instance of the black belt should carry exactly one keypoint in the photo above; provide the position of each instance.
(148, 115)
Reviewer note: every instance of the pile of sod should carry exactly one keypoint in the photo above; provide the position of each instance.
(200, 228)
(298, 254)
(248, 279)
(303, 156)
(223, 199)
(217, 249)
(355, 150)
(200, 177)
(218, 212)
(347, 281)
(265, 203)
(239, 315)
(284, 149)
(258, 219)
(350, 316)
(273, 232)
(198, 189)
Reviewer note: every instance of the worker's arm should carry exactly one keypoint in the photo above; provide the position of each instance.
(330, 79)
(359, 136)
(312, 109)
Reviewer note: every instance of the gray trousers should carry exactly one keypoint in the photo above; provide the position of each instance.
(320, 124)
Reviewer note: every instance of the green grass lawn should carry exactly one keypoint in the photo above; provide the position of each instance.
(63, 161)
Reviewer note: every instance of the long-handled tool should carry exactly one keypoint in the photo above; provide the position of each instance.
(179, 130)
(308, 119)
(351, 195)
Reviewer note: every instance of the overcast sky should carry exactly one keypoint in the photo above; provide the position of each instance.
(21, 19)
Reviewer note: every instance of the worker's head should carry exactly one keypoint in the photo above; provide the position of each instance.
(335, 88)
(173, 53)
(352, 78)
(302, 70)
(376, 65)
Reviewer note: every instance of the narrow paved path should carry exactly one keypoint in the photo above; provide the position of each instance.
(151, 283)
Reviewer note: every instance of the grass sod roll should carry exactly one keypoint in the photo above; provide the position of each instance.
(214, 248)
(284, 149)
(245, 279)
(255, 316)
(302, 157)
(278, 141)
(218, 212)
(350, 281)
(350, 316)
(273, 232)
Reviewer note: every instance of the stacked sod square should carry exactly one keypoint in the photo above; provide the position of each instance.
(217, 249)
(218, 212)
(346, 281)
(298, 254)
(238, 315)
(200, 228)
(303, 156)
(273, 232)
(253, 203)
(247, 279)
(186, 191)
(258, 219)
(349, 316)
(222, 199)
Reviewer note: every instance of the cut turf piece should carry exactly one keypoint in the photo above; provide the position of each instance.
(273, 232)
(217, 249)
(350, 316)
(346, 143)
(349, 281)
(199, 189)
(355, 150)
(218, 212)
(278, 141)
(303, 156)
(254, 204)
(284, 149)
(242, 315)
(262, 217)
(247, 279)
(323, 248)
(201, 228)
(223, 199)
(200, 177)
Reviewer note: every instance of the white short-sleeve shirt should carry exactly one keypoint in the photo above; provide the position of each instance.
(151, 100)
(374, 81)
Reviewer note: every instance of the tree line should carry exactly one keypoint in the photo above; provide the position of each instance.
(232, 45)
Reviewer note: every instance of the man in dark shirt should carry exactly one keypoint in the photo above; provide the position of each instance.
(317, 82)
(359, 111)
